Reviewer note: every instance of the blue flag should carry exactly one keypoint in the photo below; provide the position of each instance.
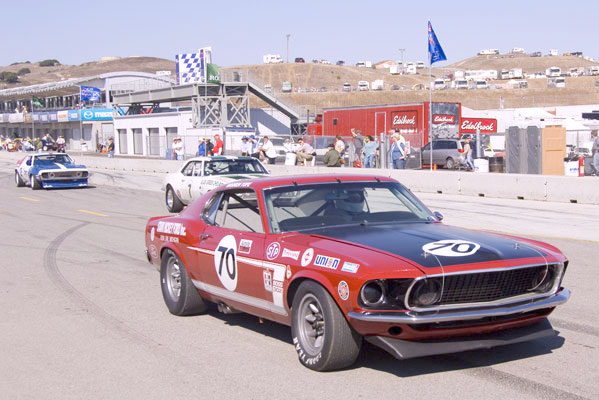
(90, 93)
(435, 51)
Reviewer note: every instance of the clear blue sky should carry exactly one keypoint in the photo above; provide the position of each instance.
(240, 32)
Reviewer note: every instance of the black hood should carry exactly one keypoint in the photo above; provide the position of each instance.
(407, 241)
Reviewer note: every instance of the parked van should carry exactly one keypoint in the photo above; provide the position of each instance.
(439, 84)
(553, 71)
(363, 86)
(378, 84)
(460, 84)
(558, 82)
(286, 87)
(346, 87)
(481, 85)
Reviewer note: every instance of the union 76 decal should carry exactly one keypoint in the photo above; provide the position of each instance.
(451, 248)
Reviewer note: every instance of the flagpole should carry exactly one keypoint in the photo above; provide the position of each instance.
(430, 105)
(32, 121)
(80, 124)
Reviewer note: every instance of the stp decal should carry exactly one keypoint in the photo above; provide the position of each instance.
(451, 248)
(307, 257)
(343, 290)
(326, 262)
(273, 250)
(225, 262)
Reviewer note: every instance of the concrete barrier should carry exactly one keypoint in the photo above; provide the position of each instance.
(509, 186)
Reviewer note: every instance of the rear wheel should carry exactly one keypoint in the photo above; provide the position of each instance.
(173, 203)
(450, 163)
(180, 295)
(34, 183)
(18, 180)
(322, 337)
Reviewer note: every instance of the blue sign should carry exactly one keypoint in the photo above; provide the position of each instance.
(90, 93)
(96, 114)
(73, 115)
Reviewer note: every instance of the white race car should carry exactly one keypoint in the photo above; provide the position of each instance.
(201, 174)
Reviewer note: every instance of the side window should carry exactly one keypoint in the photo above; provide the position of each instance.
(211, 208)
(452, 145)
(197, 169)
(188, 170)
(239, 210)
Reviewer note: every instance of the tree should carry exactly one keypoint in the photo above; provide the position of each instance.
(49, 63)
(9, 77)
(23, 71)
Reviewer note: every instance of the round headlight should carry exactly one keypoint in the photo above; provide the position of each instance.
(52, 174)
(373, 293)
(427, 292)
(543, 280)
(78, 173)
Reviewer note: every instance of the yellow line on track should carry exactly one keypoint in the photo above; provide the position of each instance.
(28, 198)
(93, 213)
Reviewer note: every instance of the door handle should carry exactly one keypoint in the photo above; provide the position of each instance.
(204, 236)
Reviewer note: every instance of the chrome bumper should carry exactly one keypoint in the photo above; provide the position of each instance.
(446, 316)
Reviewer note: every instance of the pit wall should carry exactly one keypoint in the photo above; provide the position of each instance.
(584, 190)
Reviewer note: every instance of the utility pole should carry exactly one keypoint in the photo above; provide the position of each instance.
(401, 51)
(287, 35)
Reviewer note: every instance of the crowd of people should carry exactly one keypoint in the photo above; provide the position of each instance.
(45, 143)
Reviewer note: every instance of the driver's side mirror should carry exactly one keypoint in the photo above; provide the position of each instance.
(438, 215)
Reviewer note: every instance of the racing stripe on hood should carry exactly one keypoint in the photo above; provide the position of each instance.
(425, 243)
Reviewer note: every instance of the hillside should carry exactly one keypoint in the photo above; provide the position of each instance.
(312, 77)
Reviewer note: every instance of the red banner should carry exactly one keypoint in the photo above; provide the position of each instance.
(484, 125)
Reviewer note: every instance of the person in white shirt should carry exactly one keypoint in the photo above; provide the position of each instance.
(268, 150)
(246, 147)
(304, 152)
(178, 149)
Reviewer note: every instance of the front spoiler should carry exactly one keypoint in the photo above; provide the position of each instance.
(64, 184)
(461, 315)
(404, 349)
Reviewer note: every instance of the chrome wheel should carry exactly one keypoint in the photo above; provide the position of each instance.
(169, 198)
(173, 279)
(311, 327)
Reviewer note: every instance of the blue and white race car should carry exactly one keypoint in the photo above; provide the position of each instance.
(50, 170)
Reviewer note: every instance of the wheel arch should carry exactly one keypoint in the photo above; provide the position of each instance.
(310, 276)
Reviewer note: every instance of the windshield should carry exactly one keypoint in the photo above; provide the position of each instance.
(311, 206)
(238, 166)
(52, 158)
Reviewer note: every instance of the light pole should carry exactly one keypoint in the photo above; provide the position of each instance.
(287, 36)
(401, 52)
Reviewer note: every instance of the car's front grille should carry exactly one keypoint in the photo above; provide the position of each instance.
(488, 286)
(64, 175)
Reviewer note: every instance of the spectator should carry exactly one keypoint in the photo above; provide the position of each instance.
(468, 154)
(595, 151)
(398, 152)
(268, 150)
(358, 143)
(370, 150)
(340, 147)
(178, 149)
(218, 145)
(245, 146)
(209, 148)
(202, 147)
(331, 157)
(110, 148)
(305, 152)
(253, 147)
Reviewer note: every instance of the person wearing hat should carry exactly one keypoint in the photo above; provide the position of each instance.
(178, 148)
(202, 147)
(331, 157)
(218, 145)
(253, 147)
(245, 146)
(398, 152)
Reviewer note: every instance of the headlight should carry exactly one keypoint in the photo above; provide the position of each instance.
(79, 174)
(373, 293)
(547, 279)
(426, 293)
(52, 174)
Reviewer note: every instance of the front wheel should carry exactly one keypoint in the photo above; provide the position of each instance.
(19, 180)
(34, 183)
(173, 203)
(178, 291)
(322, 337)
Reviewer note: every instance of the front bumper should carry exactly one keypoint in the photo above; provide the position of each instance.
(404, 349)
(463, 315)
(46, 184)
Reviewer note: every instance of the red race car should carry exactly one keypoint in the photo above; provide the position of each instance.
(343, 259)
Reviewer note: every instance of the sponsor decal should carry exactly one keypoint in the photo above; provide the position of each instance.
(239, 184)
(245, 246)
(485, 125)
(152, 233)
(443, 119)
(277, 286)
(404, 119)
(290, 254)
(350, 267)
(153, 251)
(173, 228)
(307, 257)
(451, 248)
(326, 262)
(288, 272)
(343, 290)
(225, 262)
(273, 250)
(267, 276)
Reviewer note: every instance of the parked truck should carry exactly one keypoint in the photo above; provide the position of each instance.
(378, 84)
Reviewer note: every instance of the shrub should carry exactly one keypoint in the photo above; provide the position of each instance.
(9, 77)
(49, 63)
(21, 62)
(23, 71)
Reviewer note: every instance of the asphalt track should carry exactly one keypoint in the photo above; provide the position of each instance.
(83, 316)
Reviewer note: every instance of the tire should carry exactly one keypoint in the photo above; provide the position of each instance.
(450, 163)
(173, 203)
(34, 183)
(322, 337)
(180, 295)
(18, 180)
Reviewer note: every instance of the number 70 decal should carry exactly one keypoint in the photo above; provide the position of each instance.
(451, 248)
